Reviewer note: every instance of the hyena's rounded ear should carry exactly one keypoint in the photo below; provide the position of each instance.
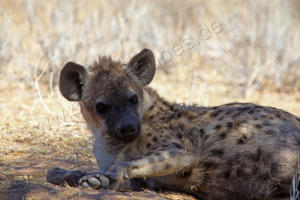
(142, 66)
(71, 80)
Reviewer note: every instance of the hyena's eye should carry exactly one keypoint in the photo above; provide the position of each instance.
(134, 99)
(101, 107)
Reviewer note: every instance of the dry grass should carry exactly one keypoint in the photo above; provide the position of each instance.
(253, 56)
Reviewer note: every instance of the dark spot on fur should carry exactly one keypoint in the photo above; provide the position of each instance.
(205, 137)
(166, 103)
(202, 132)
(229, 124)
(227, 174)
(217, 152)
(228, 112)
(151, 107)
(266, 124)
(257, 156)
(167, 166)
(164, 140)
(154, 139)
(222, 136)
(177, 145)
(157, 153)
(278, 114)
(220, 118)
(178, 114)
(148, 154)
(298, 119)
(270, 132)
(172, 127)
(171, 116)
(151, 117)
(254, 170)
(217, 127)
(244, 108)
(165, 146)
(255, 118)
(181, 126)
(148, 145)
(210, 165)
(179, 135)
(240, 141)
(251, 112)
(135, 167)
(216, 113)
(149, 134)
(258, 126)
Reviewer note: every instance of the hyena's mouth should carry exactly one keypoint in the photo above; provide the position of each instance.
(128, 138)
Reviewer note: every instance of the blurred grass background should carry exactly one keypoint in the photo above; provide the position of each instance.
(208, 53)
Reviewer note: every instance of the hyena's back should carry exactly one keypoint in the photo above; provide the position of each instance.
(243, 148)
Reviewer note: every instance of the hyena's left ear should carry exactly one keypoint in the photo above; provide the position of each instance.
(142, 66)
(72, 78)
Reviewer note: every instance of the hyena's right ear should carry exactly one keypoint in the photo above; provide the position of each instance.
(142, 66)
(71, 80)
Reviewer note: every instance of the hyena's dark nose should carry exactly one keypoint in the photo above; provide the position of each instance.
(127, 129)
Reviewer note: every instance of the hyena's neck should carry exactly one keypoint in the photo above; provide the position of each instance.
(161, 112)
(154, 105)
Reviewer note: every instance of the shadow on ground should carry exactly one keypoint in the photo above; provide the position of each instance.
(20, 190)
(24, 178)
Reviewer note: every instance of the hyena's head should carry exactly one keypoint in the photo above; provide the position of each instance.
(110, 94)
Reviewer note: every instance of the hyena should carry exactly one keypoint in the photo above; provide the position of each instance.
(233, 151)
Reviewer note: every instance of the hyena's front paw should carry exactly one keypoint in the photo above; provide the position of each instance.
(95, 181)
(111, 179)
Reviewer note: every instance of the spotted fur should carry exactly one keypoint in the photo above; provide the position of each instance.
(233, 151)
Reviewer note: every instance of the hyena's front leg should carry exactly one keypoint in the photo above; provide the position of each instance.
(162, 162)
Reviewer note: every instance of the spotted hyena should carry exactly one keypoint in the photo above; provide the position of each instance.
(233, 151)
